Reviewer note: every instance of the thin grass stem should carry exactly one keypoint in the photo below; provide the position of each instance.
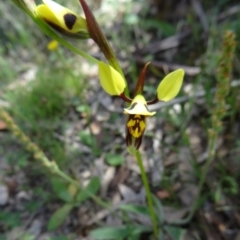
(50, 165)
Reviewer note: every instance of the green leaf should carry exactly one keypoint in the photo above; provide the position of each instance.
(83, 109)
(136, 209)
(59, 216)
(163, 28)
(159, 209)
(114, 159)
(131, 19)
(230, 185)
(109, 233)
(10, 220)
(61, 189)
(170, 86)
(91, 188)
(139, 229)
(28, 236)
(176, 233)
(119, 233)
(87, 139)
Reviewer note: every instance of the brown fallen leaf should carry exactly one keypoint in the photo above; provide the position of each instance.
(95, 128)
(162, 194)
(3, 125)
(173, 214)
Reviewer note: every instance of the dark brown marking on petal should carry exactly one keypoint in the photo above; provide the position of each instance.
(136, 126)
(64, 31)
(138, 142)
(128, 138)
(132, 106)
(136, 116)
(69, 20)
(145, 105)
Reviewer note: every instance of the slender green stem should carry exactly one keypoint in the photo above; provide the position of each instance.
(78, 51)
(148, 193)
(48, 31)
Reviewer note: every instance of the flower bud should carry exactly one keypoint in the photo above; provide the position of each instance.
(62, 19)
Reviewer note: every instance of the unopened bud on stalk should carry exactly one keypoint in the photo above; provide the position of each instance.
(62, 19)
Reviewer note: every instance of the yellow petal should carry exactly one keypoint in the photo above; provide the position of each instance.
(170, 85)
(45, 13)
(60, 16)
(138, 106)
(111, 81)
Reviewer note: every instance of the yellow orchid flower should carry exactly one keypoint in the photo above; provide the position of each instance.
(114, 84)
(136, 123)
(62, 19)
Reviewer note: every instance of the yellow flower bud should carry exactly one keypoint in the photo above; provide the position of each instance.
(61, 18)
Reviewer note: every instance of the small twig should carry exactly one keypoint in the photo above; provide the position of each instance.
(178, 39)
(41, 157)
(199, 10)
(229, 12)
(189, 70)
(234, 83)
(165, 44)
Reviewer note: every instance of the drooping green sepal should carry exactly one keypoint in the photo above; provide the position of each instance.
(170, 85)
(111, 81)
(62, 19)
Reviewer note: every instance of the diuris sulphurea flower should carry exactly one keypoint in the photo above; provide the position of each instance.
(136, 122)
(114, 84)
(62, 19)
